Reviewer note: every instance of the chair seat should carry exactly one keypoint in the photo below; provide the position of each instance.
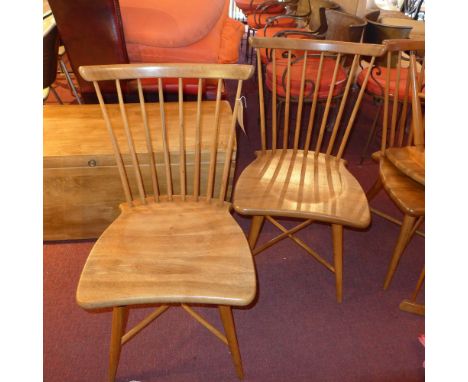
(409, 160)
(257, 21)
(248, 6)
(404, 191)
(271, 32)
(377, 80)
(311, 75)
(169, 252)
(290, 184)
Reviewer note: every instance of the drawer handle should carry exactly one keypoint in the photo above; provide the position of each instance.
(92, 163)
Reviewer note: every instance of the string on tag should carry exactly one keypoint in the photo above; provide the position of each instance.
(240, 112)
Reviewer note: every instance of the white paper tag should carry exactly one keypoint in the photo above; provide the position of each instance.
(240, 112)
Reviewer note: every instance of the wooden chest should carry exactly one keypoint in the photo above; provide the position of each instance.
(82, 188)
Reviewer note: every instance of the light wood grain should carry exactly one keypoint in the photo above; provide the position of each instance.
(409, 160)
(407, 194)
(171, 248)
(295, 181)
(289, 183)
(318, 45)
(402, 163)
(183, 70)
(169, 252)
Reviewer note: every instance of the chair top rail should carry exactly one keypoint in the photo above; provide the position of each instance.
(321, 45)
(183, 70)
(404, 44)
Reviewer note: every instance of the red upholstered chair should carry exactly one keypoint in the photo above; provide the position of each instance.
(340, 26)
(98, 32)
(180, 31)
(248, 6)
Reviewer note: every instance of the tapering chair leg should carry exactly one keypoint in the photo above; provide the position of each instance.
(419, 284)
(403, 239)
(56, 95)
(118, 328)
(230, 331)
(337, 237)
(255, 228)
(375, 189)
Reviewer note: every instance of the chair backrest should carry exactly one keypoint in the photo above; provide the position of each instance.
(403, 124)
(172, 129)
(317, 21)
(376, 32)
(342, 26)
(323, 63)
(412, 8)
(50, 46)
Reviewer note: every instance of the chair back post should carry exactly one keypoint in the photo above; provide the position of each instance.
(323, 78)
(403, 84)
(185, 115)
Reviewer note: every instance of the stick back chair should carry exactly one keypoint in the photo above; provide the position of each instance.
(376, 33)
(401, 159)
(300, 171)
(181, 246)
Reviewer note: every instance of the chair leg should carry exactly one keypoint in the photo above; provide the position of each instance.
(255, 228)
(403, 239)
(118, 328)
(371, 135)
(337, 237)
(247, 45)
(228, 324)
(375, 189)
(56, 95)
(69, 81)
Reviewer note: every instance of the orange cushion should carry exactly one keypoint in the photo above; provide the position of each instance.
(171, 85)
(169, 23)
(311, 75)
(271, 32)
(211, 48)
(376, 84)
(231, 37)
(248, 6)
(257, 21)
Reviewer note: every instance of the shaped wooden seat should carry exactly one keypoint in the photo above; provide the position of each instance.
(169, 252)
(407, 194)
(410, 160)
(401, 167)
(170, 249)
(299, 171)
(291, 183)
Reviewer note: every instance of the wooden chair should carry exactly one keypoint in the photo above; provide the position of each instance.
(401, 156)
(411, 305)
(376, 33)
(335, 25)
(179, 245)
(293, 177)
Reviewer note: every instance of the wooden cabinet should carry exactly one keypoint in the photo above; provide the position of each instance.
(82, 188)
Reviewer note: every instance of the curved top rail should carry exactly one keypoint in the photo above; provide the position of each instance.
(182, 70)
